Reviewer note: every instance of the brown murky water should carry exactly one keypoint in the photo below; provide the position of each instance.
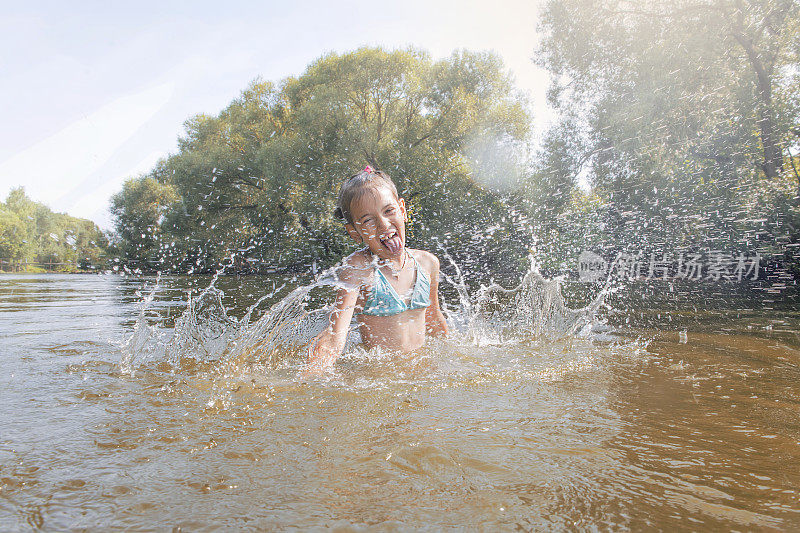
(646, 430)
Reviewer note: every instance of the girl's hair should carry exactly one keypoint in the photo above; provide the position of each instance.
(355, 186)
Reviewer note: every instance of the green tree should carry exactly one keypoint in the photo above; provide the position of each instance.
(32, 232)
(259, 180)
(13, 234)
(138, 212)
(675, 112)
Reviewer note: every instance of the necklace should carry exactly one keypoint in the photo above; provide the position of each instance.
(396, 271)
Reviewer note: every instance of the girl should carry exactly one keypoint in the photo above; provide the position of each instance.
(392, 289)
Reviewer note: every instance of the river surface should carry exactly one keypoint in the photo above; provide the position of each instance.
(641, 429)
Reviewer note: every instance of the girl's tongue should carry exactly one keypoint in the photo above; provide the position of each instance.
(393, 243)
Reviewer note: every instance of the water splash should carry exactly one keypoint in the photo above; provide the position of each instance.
(206, 331)
(535, 309)
(141, 342)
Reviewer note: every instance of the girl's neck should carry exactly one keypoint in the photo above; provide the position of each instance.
(396, 266)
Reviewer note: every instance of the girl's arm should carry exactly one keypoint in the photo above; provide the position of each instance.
(328, 345)
(435, 323)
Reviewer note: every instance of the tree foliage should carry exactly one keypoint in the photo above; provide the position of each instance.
(138, 211)
(258, 182)
(679, 115)
(31, 233)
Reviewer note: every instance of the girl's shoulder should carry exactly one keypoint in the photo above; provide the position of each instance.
(429, 261)
(356, 268)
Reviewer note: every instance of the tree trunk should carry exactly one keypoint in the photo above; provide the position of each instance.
(773, 159)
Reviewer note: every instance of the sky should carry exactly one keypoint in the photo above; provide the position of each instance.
(94, 93)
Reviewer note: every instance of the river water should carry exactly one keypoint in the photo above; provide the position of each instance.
(104, 425)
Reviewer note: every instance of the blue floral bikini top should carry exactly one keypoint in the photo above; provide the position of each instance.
(383, 299)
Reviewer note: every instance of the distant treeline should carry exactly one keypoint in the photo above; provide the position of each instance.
(32, 237)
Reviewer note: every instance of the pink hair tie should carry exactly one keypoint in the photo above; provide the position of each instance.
(369, 169)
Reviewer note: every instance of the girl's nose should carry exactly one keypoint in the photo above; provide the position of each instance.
(382, 223)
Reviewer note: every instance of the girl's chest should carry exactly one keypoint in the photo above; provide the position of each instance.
(400, 285)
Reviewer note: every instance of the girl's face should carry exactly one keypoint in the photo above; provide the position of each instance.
(379, 221)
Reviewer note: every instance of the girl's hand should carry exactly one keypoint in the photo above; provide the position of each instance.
(322, 354)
